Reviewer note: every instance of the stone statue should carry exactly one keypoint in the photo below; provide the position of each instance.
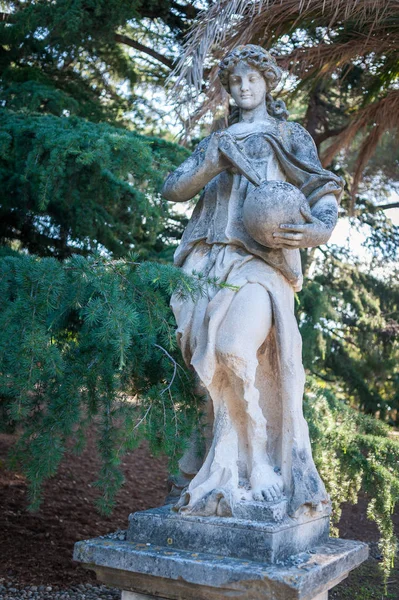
(264, 196)
(251, 519)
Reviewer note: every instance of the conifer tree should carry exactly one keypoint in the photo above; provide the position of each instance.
(72, 186)
(92, 338)
(77, 184)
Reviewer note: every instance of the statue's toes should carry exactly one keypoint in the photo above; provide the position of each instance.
(272, 493)
(182, 502)
(257, 496)
(269, 495)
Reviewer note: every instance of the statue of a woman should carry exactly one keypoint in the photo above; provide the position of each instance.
(245, 345)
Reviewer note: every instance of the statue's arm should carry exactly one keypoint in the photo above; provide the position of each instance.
(195, 172)
(322, 216)
(317, 229)
(326, 211)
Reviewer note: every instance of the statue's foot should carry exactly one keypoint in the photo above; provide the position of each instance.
(266, 484)
(217, 503)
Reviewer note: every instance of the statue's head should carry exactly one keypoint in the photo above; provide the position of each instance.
(254, 56)
(257, 69)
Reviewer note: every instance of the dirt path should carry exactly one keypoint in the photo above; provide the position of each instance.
(37, 548)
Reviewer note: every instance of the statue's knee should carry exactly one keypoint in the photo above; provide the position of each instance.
(226, 348)
(234, 359)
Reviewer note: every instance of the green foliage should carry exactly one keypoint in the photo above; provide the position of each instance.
(65, 55)
(352, 452)
(348, 320)
(71, 185)
(92, 340)
(366, 583)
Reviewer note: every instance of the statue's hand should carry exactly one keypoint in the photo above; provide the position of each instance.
(213, 157)
(303, 235)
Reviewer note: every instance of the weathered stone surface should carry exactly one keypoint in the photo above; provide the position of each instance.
(264, 196)
(181, 575)
(134, 596)
(262, 511)
(266, 541)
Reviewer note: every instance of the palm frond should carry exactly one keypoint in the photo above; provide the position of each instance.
(346, 33)
(376, 118)
(209, 31)
(231, 22)
(324, 59)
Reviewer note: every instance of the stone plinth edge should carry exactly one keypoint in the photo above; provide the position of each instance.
(170, 574)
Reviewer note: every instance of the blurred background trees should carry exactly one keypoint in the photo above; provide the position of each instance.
(87, 136)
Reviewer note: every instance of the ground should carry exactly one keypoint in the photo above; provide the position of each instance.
(37, 548)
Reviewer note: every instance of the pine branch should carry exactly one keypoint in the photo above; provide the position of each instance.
(387, 206)
(124, 39)
(189, 10)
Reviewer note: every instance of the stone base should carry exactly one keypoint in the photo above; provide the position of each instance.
(260, 553)
(269, 536)
(166, 573)
(134, 596)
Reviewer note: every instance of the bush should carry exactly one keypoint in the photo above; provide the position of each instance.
(355, 452)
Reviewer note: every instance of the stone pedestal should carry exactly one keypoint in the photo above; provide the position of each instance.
(172, 557)
(256, 531)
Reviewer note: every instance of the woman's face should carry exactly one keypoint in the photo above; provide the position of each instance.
(247, 86)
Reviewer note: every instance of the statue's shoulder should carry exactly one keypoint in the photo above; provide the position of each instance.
(203, 144)
(298, 140)
(294, 132)
(200, 148)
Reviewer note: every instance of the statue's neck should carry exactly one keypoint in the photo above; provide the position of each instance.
(255, 114)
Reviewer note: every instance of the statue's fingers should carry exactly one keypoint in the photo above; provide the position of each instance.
(296, 227)
(288, 236)
(289, 243)
(305, 211)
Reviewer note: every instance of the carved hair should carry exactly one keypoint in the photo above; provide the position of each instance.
(265, 63)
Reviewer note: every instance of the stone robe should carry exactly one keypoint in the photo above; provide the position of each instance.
(216, 243)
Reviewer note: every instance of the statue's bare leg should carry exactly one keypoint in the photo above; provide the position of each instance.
(245, 328)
